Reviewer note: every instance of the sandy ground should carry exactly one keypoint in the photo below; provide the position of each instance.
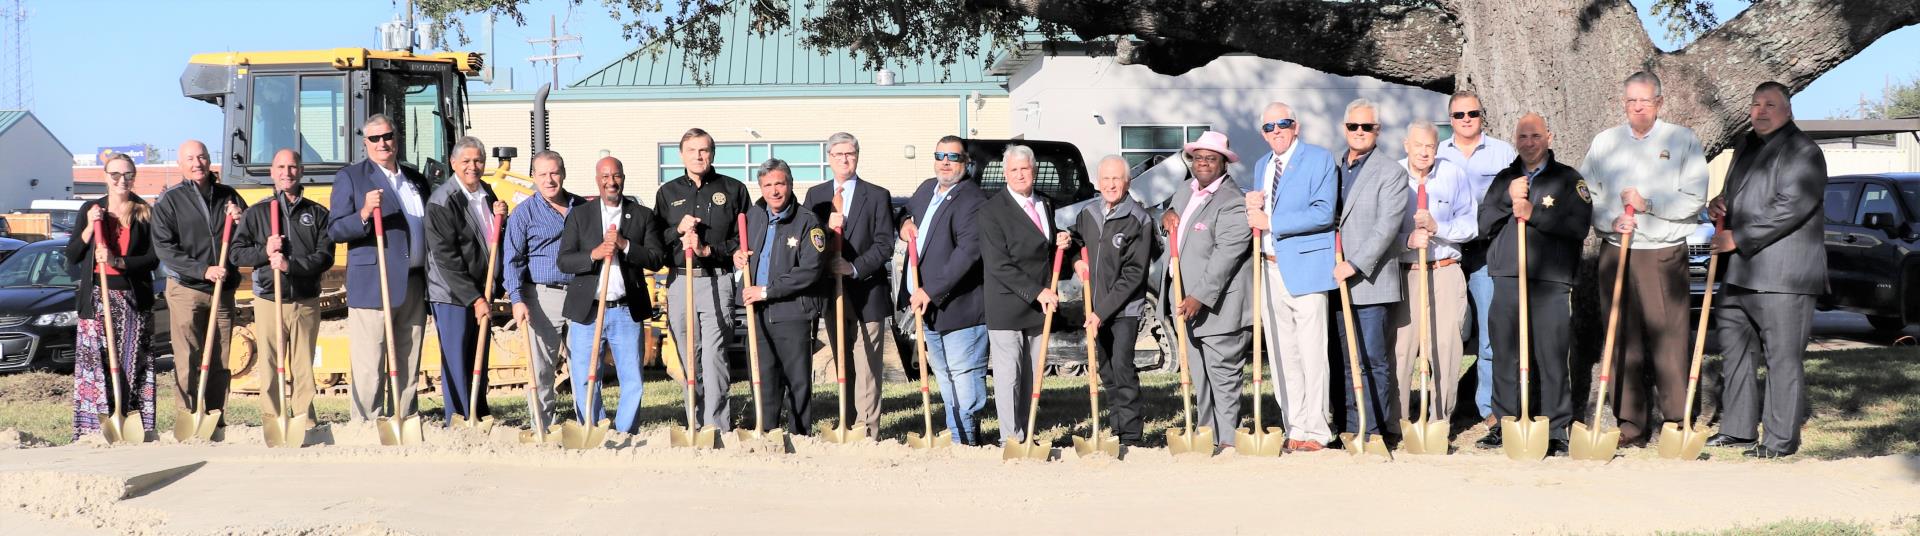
(464, 483)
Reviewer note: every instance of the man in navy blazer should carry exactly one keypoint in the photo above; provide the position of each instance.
(940, 224)
(861, 213)
(381, 187)
(1295, 215)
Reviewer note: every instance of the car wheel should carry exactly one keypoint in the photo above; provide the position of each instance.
(1890, 324)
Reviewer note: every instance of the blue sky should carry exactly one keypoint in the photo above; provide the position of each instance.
(107, 72)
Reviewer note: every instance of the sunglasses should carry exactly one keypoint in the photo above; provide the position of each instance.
(127, 176)
(948, 157)
(381, 138)
(1466, 114)
(1277, 125)
(1363, 127)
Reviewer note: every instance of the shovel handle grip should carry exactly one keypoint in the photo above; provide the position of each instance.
(740, 223)
(1420, 198)
(273, 210)
(1173, 241)
(913, 254)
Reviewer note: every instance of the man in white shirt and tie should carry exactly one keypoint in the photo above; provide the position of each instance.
(1017, 242)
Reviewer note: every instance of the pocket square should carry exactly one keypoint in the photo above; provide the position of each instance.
(1200, 226)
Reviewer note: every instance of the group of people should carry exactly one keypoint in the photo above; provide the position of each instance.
(1325, 220)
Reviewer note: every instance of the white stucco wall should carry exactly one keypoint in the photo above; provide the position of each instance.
(31, 152)
(1058, 97)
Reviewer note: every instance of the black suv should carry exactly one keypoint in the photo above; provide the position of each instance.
(1872, 234)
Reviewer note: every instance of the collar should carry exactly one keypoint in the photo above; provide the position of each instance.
(603, 205)
(383, 169)
(1657, 123)
(1355, 162)
(1032, 197)
(1123, 208)
(1194, 185)
(1286, 157)
(783, 216)
(479, 188)
(1482, 144)
(1432, 171)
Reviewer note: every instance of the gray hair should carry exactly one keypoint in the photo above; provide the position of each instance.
(560, 163)
(1362, 103)
(1276, 106)
(1423, 126)
(842, 137)
(1644, 77)
(468, 142)
(1124, 164)
(1017, 151)
(377, 119)
(772, 165)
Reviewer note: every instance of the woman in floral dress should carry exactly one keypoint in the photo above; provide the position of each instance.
(128, 250)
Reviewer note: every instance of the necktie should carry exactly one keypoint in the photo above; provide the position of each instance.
(1034, 215)
(1273, 186)
(839, 200)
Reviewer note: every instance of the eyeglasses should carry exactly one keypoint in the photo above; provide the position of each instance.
(381, 138)
(1466, 114)
(123, 176)
(1277, 125)
(1363, 127)
(843, 155)
(1208, 159)
(948, 157)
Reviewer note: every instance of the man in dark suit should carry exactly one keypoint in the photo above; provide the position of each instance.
(1771, 206)
(1017, 240)
(861, 213)
(785, 249)
(1557, 209)
(941, 224)
(381, 187)
(611, 233)
(460, 233)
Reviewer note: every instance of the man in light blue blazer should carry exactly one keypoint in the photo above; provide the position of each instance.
(1292, 203)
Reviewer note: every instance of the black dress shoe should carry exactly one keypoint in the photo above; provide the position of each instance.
(1492, 439)
(1556, 447)
(1764, 453)
(1724, 440)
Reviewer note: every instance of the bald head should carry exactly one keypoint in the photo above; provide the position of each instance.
(1532, 139)
(611, 178)
(193, 161)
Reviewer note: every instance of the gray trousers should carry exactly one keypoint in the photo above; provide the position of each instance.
(1216, 381)
(1010, 354)
(1755, 328)
(713, 315)
(368, 346)
(549, 333)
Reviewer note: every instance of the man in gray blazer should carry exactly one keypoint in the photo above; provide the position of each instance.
(1210, 215)
(1373, 200)
(1773, 228)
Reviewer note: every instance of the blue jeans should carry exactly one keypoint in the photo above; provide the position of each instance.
(1376, 366)
(957, 360)
(1480, 290)
(621, 338)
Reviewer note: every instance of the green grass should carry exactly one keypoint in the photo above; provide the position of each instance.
(1865, 403)
(1791, 527)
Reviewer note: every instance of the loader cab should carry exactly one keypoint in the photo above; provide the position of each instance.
(317, 102)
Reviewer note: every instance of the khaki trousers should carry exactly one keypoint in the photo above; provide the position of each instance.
(1448, 301)
(302, 319)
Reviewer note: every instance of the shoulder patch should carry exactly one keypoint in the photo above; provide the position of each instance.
(678, 202)
(818, 237)
(1580, 187)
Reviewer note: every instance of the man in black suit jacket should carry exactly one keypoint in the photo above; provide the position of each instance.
(948, 292)
(1017, 241)
(1773, 228)
(861, 213)
(785, 251)
(460, 221)
(617, 229)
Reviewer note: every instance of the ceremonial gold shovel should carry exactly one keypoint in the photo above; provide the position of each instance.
(200, 423)
(760, 434)
(1524, 438)
(1030, 447)
(1359, 442)
(1591, 443)
(284, 428)
(485, 341)
(692, 435)
(840, 432)
(1425, 436)
(577, 434)
(1258, 439)
(1188, 438)
(118, 426)
(1684, 440)
(926, 439)
(394, 429)
(1095, 443)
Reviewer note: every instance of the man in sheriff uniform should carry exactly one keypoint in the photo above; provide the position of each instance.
(699, 208)
(785, 250)
(1553, 203)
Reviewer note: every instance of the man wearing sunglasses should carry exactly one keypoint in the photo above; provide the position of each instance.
(1294, 192)
(1373, 200)
(940, 224)
(1657, 168)
(380, 187)
(187, 223)
(1480, 157)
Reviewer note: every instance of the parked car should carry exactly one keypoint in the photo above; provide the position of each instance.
(37, 313)
(9, 246)
(1872, 233)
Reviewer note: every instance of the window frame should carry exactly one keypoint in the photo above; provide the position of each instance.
(667, 172)
(1186, 132)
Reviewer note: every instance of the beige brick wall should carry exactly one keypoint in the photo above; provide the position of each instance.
(633, 130)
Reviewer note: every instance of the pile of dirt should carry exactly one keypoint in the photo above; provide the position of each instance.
(35, 386)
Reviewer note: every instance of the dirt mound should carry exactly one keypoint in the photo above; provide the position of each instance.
(36, 386)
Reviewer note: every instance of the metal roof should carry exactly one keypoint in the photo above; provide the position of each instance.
(1824, 129)
(9, 117)
(777, 59)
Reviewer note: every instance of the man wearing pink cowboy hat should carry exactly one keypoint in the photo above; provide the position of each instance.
(1211, 217)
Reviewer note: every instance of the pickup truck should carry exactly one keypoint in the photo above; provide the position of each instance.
(1872, 233)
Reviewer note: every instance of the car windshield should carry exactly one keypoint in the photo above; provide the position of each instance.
(40, 267)
(1911, 192)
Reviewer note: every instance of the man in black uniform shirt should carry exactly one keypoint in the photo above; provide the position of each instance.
(1557, 209)
(785, 250)
(699, 208)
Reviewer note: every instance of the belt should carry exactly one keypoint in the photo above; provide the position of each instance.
(622, 302)
(554, 286)
(1435, 265)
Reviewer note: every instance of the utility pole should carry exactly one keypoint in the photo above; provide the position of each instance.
(553, 40)
(18, 90)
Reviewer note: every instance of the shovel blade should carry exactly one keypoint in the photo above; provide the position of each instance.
(943, 439)
(1424, 437)
(550, 435)
(575, 435)
(191, 425)
(839, 434)
(389, 431)
(1027, 450)
(1373, 445)
(1199, 442)
(1087, 447)
(287, 432)
(124, 429)
(484, 425)
(1682, 443)
(1524, 441)
(769, 441)
(1268, 443)
(1584, 444)
(396, 431)
(703, 438)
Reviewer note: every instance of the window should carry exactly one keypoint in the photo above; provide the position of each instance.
(1139, 143)
(739, 160)
(1838, 203)
(1875, 198)
(414, 101)
(304, 112)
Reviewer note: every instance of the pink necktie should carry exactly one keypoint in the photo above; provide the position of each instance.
(1034, 215)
